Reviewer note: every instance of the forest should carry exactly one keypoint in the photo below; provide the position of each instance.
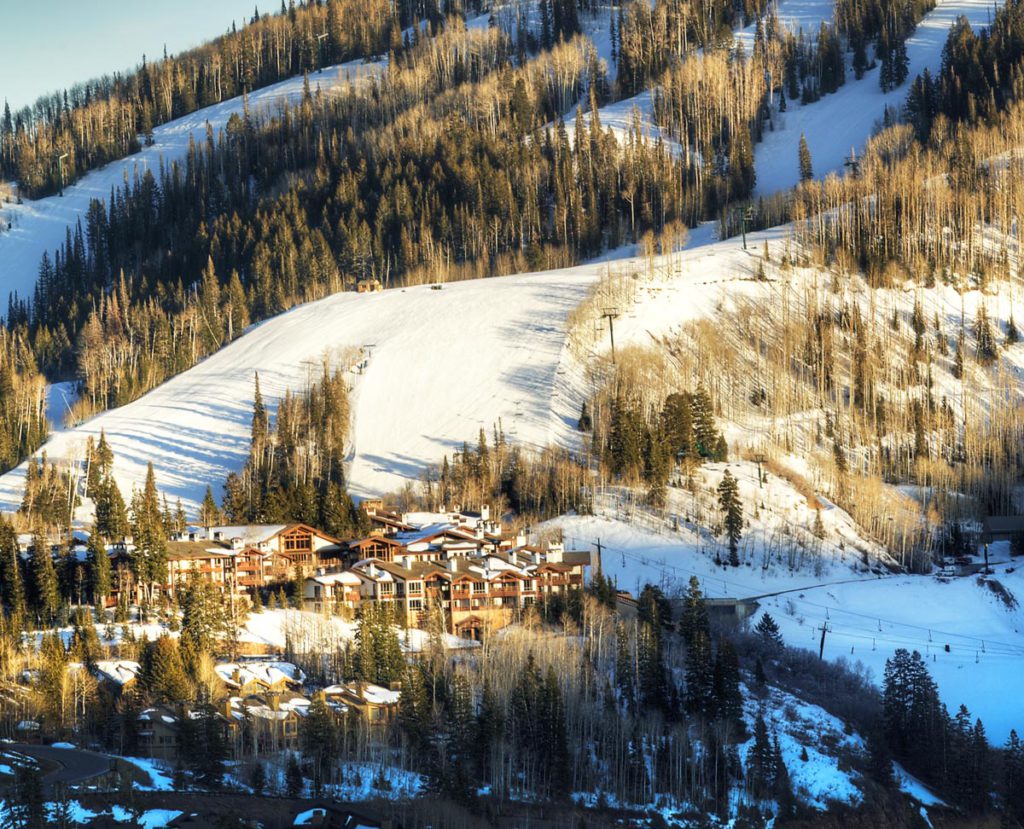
(405, 179)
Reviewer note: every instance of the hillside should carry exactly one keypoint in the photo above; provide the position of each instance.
(39, 226)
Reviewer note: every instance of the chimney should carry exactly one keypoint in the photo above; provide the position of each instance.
(226, 708)
(453, 565)
(407, 562)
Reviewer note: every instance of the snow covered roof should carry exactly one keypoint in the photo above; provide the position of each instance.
(374, 694)
(118, 671)
(248, 533)
(344, 577)
(239, 674)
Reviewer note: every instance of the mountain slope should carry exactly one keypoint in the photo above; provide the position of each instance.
(847, 118)
(40, 226)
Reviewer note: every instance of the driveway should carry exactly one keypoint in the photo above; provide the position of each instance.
(73, 765)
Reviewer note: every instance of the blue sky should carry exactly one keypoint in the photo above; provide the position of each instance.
(53, 44)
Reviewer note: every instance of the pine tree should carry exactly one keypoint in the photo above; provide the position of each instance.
(161, 672)
(585, 424)
(732, 513)
(44, 579)
(700, 677)
(768, 629)
(1013, 779)
(294, 784)
(987, 351)
(12, 586)
(149, 555)
(99, 569)
(761, 762)
(694, 619)
(625, 674)
(209, 512)
(260, 420)
(728, 698)
(705, 432)
(319, 738)
(804, 157)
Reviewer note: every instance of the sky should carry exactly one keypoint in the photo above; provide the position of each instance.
(49, 45)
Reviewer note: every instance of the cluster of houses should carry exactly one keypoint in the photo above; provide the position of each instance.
(260, 705)
(459, 563)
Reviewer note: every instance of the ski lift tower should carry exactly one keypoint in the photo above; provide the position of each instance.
(611, 314)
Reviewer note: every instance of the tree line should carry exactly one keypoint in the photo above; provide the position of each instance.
(107, 118)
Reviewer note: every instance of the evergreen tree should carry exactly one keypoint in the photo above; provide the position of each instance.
(694, 620)
(161, 672)
(12, 587)
(768, 629)
(728, 699)
(705, 432)
(100, 583)
(761, 762)
(585, 424)
(319, 737)
(700, 677)
(44, 579)
(148, 557)
(732, 514)
(1013, 780)
(804, 158)
(294, 784)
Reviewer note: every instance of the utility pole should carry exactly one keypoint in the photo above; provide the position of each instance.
(611, 314)
(600, 547)
(320, 51)
(60, 170)
(821, 647)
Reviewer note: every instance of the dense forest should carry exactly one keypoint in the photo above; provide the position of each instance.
(424, 174)
(108, 118)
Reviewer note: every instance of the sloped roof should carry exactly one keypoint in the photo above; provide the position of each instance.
(239, 674)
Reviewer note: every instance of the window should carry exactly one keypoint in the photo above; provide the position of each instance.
(387, 588)
(479, 587)
(297, 542)
(415, 604)
(415, 588)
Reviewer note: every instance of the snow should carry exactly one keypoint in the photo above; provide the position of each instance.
(868, 617)
(239, 674)
(500, 359)
(915, 788)
(310, 631)
(159, 779)
(64, 745)
(793, 15)
(820, 779)
(41, 225)
(845, 119)
(119, 671)
(60, 397)
(156, 818)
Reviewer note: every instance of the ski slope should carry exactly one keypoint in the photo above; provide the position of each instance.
(846, 119)
(867, 617)
(41, 225)
(441, 364)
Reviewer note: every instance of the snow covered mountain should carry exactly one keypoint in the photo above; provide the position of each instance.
(40, 226)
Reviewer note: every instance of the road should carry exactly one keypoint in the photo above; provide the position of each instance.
(73, 765)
